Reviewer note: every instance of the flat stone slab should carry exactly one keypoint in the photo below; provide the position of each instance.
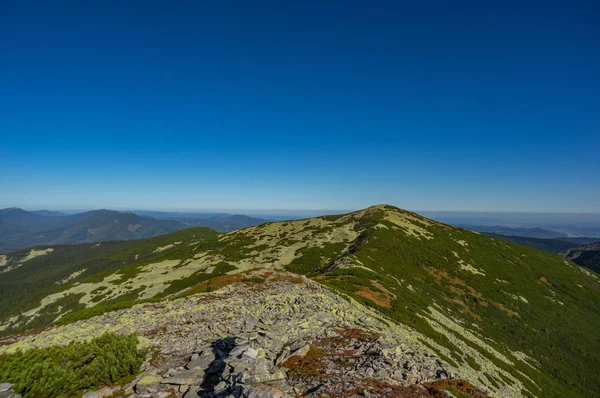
(149, 379)
(5, 386)
(105, 392)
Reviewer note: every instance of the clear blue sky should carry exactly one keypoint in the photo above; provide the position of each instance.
(300, 105)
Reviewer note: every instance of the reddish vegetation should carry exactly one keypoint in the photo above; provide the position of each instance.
(337, 352)
(156, 359)
(311, 365)
(465, 291)
(436, 389)
(357, 334)
(156, 306)
(383, 298)
(319, 357)
(19, 336)
(427, 390)
(252, 277)
(464, 308)
(286, 277)
(209, 297)
(153, 332)
(378, 298)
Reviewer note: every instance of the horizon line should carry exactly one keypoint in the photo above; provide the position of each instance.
(282, 211)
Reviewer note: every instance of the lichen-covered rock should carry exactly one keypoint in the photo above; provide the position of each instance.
(105, 392)
(284, 339)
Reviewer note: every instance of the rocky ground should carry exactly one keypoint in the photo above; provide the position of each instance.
(246, 340)
(7, 392)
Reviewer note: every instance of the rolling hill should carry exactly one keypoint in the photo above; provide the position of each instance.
(220, 222)
(510, 320)
(20, 228)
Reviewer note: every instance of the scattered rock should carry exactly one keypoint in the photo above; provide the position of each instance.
(293, 339)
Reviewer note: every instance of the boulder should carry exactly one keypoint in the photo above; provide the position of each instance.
(201, 362)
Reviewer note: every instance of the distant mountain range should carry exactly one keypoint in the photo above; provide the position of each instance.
(220, 222)
(508, 231)
(535, 225)
(20, 229)
(549, 245)
(49, 213)
(582, 251)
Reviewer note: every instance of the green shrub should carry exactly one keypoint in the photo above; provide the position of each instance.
(69, 370)
(94, 311)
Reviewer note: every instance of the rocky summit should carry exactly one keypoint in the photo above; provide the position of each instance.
(376, 303)
(263, 334)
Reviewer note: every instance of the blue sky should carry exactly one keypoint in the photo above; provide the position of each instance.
(485, 106)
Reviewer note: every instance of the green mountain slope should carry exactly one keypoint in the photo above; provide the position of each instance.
(515, 320)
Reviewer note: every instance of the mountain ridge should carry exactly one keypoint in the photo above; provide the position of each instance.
(506, 316)
(21, 229)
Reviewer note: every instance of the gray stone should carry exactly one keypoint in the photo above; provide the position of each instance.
(105, 392)
(263, 378)
(202, 362)
(5, 386)
(264, 391)
(238, 351)
(177, 380)
(192, 392)
(221, 386)
(250, 353)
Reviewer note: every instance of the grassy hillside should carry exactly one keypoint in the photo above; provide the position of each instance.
(509, 316)
(462, 288)
(28, 276)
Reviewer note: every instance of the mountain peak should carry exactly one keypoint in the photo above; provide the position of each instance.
(12, 209)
